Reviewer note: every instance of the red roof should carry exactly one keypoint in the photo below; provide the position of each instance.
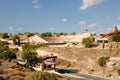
(107, 34)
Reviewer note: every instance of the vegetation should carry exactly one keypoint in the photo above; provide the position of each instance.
(102, 61)
(7, 55)
(46, 34)
(30, 55)
(111, 46)
(42, 76)
(63, 33)
(118, 71)
(73, 33)
(87, 42)
(15, 50)
(31, 58)
(5, 52)
(116, 36)
(3, 48)
(16, 40)
(5, 35)
(28, 34)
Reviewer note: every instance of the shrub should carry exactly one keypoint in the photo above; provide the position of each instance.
(16, 40)
(30, 57)
(5, 52)
(87, 42)
(5, 35)
(46, 34)
(2, 43)
(118, 71)
(30, 54)
(15, 50)
(8, 55)
(28, 47)
(42, 76)
(3, 48)
(102, 61)
(28, 34)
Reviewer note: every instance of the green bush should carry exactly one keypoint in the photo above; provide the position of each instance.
(87, 42)
(30, 57)
(5, 35)
(42, 76)
(2, 43)
(30, 54)
(46, 34)
(8, 55)
(15, 50)
(102, 61)
(118, 71)
(28, 34)
(5, 52)
(3, 48)
(28, 47)
(16, 40)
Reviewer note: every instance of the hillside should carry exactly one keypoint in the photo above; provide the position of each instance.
(85, 60)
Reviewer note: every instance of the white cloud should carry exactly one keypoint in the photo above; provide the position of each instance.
(35, 1)
(37, 6)
(81, 22)
(92, 25)
(89, 3)
(64, 20)
(15, 29)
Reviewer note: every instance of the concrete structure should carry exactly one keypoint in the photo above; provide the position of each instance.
(48, 62)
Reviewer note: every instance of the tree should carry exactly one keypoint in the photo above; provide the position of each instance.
(3, 48)
(63, 33)
(28, 34)
(31, 58)
(29, 55)
(46, 34)
(87, 42)
(5, 52)
(116, 36)
(16, 40)
(5, 35)
(73, 33)
(8, 55)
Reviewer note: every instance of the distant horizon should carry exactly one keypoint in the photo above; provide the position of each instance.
(97, 16)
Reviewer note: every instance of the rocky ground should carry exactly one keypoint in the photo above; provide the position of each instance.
(12, 71)
(86, 60)
(82, 59)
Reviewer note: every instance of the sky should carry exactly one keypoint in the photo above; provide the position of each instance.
(97, 16)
